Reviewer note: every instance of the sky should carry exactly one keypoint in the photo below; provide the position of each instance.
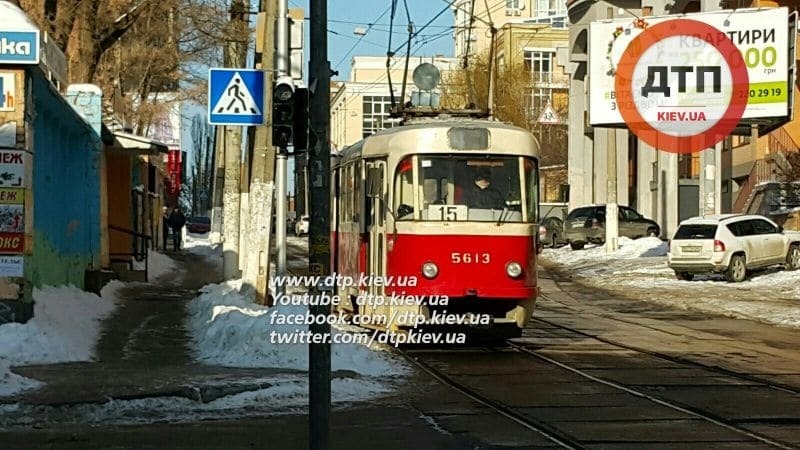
(344, 16)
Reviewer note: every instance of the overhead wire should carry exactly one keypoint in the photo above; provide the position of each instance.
(414, 34)
(369, 27)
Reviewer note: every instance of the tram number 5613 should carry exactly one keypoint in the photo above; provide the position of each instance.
(469, 258)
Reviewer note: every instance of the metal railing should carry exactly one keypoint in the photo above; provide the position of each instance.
(758, 174)
(140, 246)
(781, 141)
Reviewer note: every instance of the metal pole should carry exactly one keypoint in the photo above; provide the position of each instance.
(612, 224)
(319, 259)
(282, 67)
(280, 218)
(233, 155)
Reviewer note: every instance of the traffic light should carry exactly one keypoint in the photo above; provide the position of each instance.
(283, 112)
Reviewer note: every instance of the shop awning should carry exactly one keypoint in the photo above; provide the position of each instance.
(135, 144)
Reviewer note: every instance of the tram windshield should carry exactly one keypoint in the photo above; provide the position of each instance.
(458, 188)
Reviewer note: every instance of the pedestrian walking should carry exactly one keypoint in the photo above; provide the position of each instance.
(165, 225)
(176, 221)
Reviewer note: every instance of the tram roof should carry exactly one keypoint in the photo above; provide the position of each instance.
(394, 138)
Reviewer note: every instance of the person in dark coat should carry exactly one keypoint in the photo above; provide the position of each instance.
(164, 227)
(483, 195)
(176, 221)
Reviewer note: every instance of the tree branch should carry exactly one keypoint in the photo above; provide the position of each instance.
(113, 32)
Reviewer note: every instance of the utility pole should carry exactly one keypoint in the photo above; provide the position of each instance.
(256, 274)
(319, 258)
(217, 182)
(282, 67)
(237, 50)
(612, 222)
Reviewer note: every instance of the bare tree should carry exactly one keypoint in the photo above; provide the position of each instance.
(790, 177)
(513, 102)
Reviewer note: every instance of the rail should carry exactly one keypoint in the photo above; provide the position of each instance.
(780, 141)
(758, 174)
(140, 247)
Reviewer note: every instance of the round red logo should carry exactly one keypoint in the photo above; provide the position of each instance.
(681, 86)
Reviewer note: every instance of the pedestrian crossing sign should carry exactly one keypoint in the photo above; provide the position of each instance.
(549, 116)
(235, 97)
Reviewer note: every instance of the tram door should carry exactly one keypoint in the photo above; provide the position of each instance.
(376, 227)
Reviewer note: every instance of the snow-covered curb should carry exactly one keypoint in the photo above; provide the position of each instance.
(639, 270)
(65, 327)
(229, 330)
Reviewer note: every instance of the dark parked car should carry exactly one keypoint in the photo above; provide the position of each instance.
(198, 225)
(587, 224)
(551, 232)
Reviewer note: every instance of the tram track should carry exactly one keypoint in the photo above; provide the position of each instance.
(537, 426)
(675, 359)
(451, 368)
(551, 431)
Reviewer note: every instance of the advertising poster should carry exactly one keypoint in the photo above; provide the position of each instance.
(761, 37)
(11, 266)
(12, 168)
(174, 172)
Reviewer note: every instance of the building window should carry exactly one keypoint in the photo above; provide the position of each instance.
(539, 100)
(540, 64)
(689, 166)
(550, 8)
(513, 7)
(376, 111)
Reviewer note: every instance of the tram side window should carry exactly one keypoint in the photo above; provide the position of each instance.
(532, 189)
(404, 190)
(348, 194)
(357, 199)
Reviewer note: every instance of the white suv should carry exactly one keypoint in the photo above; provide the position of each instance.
(731, 244)
(301, 227)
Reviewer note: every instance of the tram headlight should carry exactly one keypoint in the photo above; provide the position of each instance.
(513, 269)
(430, 270)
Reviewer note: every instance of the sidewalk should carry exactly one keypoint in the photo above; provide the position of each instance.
(143, 351)
(143, 354)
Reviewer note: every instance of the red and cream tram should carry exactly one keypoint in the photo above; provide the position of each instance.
(438, 217)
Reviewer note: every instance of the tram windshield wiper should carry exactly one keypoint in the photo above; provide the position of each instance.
(503, 215)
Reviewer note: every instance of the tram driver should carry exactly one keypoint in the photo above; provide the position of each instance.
(482, 194)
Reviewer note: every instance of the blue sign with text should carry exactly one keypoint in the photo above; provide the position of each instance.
(235, 97)
(19, 47)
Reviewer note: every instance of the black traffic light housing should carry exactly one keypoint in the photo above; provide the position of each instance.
(282, 112)
(300, 136)
(289, 115)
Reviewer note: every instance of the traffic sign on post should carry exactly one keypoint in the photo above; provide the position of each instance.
(235, 97)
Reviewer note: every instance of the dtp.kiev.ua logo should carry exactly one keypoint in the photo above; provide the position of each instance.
(19, 47)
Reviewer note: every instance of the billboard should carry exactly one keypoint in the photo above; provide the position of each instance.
(694, 58)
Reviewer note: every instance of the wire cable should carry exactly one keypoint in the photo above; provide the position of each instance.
(369, 27)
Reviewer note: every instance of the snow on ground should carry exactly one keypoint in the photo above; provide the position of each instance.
(65, 327)
(158, 265)
(200, 244)
(230, 330)
(284, 395)
(639, 270)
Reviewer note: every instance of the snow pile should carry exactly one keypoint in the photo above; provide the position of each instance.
(639, 271)
(65, 327)
(229, 330)
(160, 265)
(202, 246)
(629, 249)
